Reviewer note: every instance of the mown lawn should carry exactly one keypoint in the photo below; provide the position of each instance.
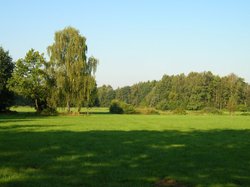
(124, 150)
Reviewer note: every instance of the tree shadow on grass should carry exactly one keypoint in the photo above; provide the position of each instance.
(20, 115)
(124, 158)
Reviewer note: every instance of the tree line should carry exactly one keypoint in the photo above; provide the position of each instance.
(194, 91)
(66, 80)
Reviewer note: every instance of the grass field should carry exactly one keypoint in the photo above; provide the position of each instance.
(124, 150)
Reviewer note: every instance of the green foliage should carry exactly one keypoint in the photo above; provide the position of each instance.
(163, 105)
(105, 95)
(232, 104)
(28, 79)
(139, 91)
(123, 94)
(22, 101)
(211, 110)
(242, 108)
(93, 100)
(179, 111)
(115, 107)
(49, 111)
(128, 109)
(6, 68)
(146, 111)
(119, 107)
(247, 92)
(194, 91)
(71, 73)
(245, 114)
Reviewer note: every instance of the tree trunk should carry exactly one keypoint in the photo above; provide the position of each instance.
(79, 109)
(87, 110)
(68, 106)
(36, 105)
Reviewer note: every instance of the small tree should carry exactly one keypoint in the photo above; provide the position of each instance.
(28, 79)
(6, 68)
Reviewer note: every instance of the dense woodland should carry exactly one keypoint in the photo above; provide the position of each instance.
(194, 91)
(68, 80)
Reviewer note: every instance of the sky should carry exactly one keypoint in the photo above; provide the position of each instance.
(137, 40)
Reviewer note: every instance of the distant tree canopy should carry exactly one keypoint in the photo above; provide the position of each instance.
(6, 68)
(194, 91)
(105, 95)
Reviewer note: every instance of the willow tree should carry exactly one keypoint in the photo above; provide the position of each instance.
(72, 71)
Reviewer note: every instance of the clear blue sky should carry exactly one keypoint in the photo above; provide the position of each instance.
(138, 40)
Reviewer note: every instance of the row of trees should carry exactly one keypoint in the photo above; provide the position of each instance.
(194, 91)
(66, 80)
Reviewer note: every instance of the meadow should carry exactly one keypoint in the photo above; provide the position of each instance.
(102, 149)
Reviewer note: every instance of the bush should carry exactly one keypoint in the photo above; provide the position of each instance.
(245, 114)
(128, 109)
(242, 108)
(115, 107)
(147, 111)
(49, 111)
(211, 110)
(179, 111)
(119, 107)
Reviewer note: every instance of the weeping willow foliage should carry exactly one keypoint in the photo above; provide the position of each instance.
(71, 73)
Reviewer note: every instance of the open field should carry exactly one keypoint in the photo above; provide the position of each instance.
(124, 150)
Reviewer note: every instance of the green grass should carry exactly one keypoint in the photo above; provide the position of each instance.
(124, 150)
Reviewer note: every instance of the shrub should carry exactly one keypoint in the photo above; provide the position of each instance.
(147, 111)
(245, 114)
(211, 110)
(128, 109)
(179, 111)
(242, 108)
(119, 107)
(115, 107)
(49, 111)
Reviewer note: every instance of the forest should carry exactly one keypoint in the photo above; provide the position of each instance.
(194, 91)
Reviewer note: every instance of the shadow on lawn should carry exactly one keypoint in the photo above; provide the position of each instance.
(20, 116)
(125, 158)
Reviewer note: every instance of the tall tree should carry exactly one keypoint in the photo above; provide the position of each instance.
(73, 73)
(6, 68)
(28, 79)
